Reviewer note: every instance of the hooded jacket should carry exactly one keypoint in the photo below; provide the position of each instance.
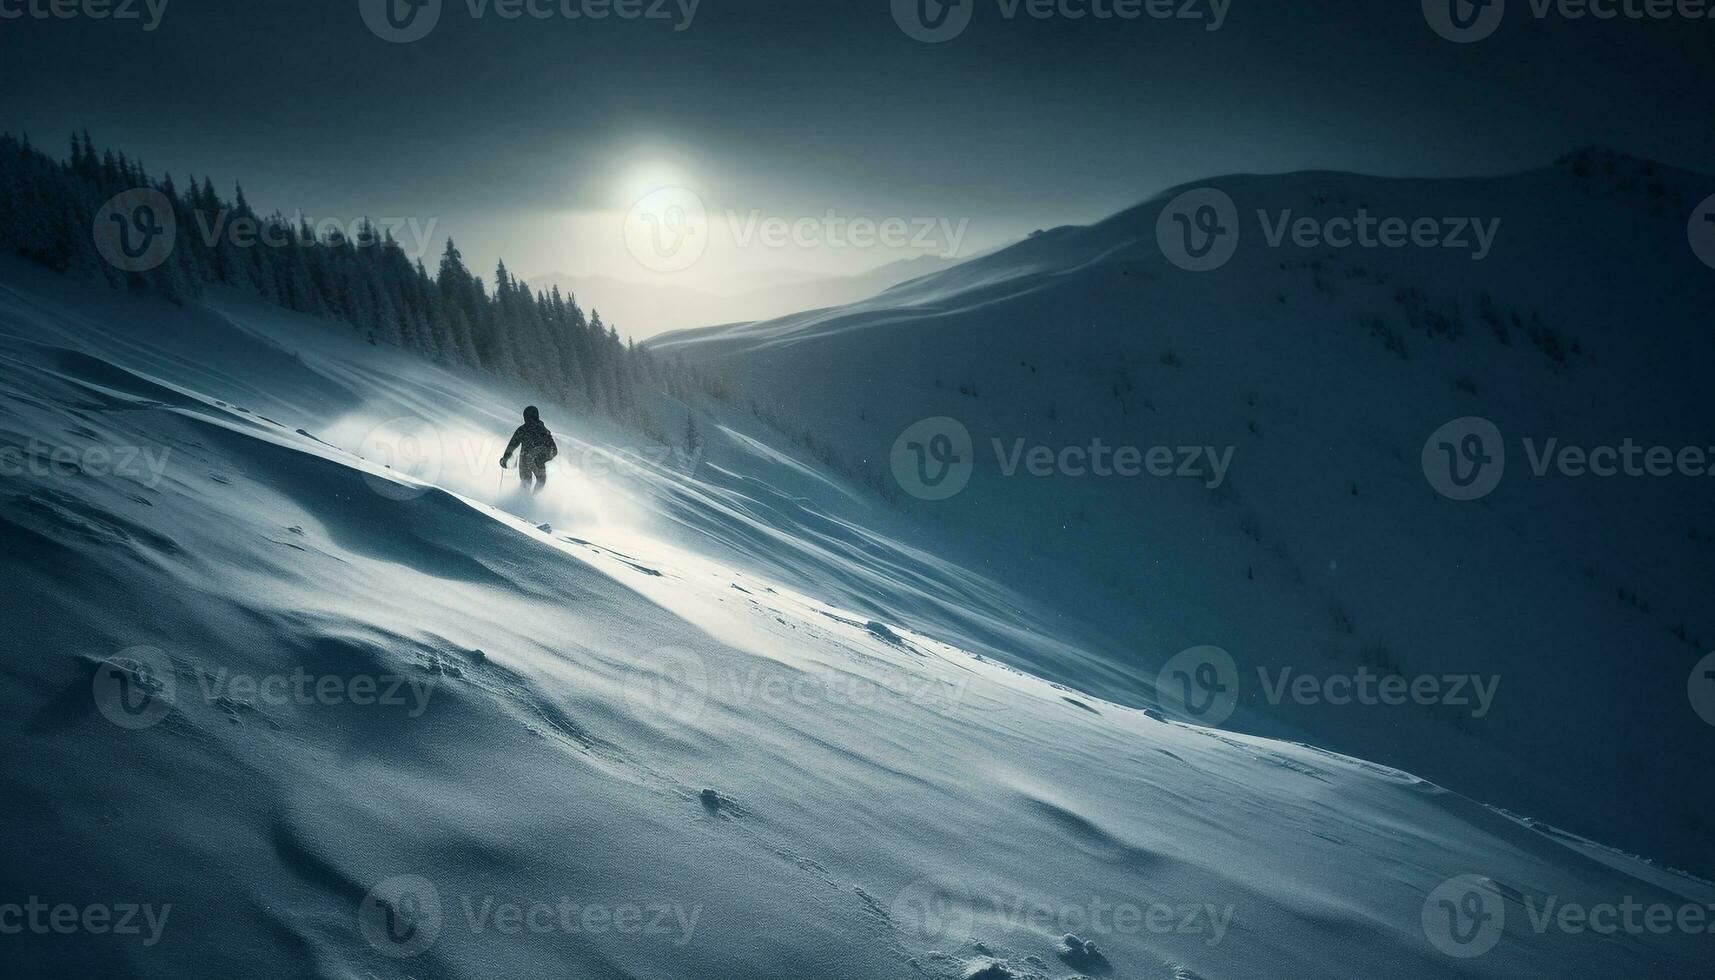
(533, 438)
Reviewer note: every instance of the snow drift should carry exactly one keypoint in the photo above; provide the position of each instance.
(299, 692)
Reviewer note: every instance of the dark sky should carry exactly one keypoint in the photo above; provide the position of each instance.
(521, 136)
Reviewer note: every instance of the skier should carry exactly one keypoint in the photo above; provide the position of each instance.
(535, 445)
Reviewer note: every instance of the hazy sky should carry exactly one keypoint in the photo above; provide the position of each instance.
(533, 138)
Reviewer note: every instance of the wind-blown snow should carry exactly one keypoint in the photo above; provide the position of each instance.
(723, 721)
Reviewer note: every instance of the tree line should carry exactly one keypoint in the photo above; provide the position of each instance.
(48, 209)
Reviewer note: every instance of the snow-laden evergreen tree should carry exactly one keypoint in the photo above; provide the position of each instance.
(365, 279)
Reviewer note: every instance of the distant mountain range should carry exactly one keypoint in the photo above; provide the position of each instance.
(1323, 367)
(644, 309)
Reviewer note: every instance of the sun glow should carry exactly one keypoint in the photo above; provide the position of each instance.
(644, 176)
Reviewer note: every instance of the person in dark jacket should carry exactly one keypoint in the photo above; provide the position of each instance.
(535, 446)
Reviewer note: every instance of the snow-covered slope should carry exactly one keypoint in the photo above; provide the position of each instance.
(284, 711)
(1324, 550)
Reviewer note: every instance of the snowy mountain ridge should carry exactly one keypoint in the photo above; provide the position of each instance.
(1326, 552)
(727, 714)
